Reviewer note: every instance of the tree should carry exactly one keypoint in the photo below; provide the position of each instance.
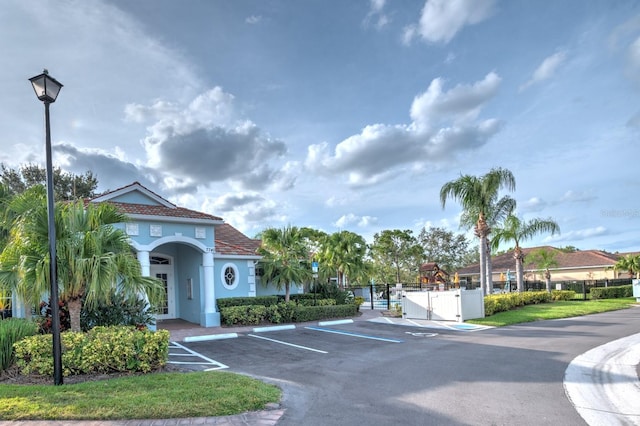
(93, 257)
(285, 258)
(344, 253)
(67, 186)
(630, 264)
(544, 259)
(398, 251)
(448, 250)
(478, 197)
(516, 230)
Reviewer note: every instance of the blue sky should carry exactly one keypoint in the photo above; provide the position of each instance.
(339, 114)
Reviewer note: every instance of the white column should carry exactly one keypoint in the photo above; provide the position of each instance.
(145, 264)
(145, 270)
(209, 317)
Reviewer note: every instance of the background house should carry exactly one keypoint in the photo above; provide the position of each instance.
(576, 265)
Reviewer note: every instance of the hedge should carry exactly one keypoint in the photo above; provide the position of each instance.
(245, 301)
(101, 350)
(283, 312)
(612, 292)
(504, 302)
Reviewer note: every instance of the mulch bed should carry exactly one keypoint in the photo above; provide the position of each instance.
(12, 376)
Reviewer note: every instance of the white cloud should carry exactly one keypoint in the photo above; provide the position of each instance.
(546, 69)
(441, 20)
(533, 204)
(253, 19)
(376, 16)
(352, 219)
(574, 197)
(379, 150)
(577, 235)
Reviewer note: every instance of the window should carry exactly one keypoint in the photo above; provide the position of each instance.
(229, 276)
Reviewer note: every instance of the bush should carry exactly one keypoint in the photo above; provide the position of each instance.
(120, 311)
(244, 315)
(612, 292)
(312, 313)
(504, 302)
(244, 301)
(13, 330)
(102, 350)
(562, 294)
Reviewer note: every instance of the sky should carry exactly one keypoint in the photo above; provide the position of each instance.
(339, 115)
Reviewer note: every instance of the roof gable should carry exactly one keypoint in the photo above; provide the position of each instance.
(134, 193)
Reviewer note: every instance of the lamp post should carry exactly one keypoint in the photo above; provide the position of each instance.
(47, 89)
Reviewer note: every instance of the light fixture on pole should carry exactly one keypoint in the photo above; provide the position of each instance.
(47, 89)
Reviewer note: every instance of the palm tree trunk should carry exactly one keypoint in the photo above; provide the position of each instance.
(287, 292)
(489, 269)
(517, 254)
(547, 278)
(75, 306)
(483, 261)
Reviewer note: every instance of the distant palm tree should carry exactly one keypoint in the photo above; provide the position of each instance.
(516, 230)
(544, 259)
(478, 197)
(285, 258)
(344, 252)
(93, 258)
(629, 263)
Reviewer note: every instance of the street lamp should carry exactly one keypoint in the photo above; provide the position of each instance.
(47, 89)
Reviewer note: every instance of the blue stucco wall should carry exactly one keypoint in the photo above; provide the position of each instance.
(189, 267)
(242, 289)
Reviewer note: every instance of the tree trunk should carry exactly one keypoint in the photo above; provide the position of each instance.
(517, 254)
(75, 306)
(547, 278)
(483, 261)
(489, 269)
(287, 292)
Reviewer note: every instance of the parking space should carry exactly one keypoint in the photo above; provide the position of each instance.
(299, 345)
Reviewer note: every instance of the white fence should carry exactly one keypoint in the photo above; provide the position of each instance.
(454, 305)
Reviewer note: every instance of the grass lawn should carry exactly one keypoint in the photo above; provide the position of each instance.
(151, 396)
(553, 310)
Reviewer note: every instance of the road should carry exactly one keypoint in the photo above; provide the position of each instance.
(380, 374)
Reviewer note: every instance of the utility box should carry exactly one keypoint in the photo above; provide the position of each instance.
(636, 289)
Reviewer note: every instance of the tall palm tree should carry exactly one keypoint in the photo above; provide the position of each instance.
(344, 253)
(516, 230)
(497, 211)
(478, 195)
(285, 258)
(544, 259)
(630, 264)
(93, 258)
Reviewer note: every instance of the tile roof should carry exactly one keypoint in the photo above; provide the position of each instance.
(151, 210)
(230, 241)
(577, 259)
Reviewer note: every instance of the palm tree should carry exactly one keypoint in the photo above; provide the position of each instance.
(516, 230)
(344, 253)
(93, 258)
(285, 257)
(497, 211)
(629, 263)
(544, 259)
(478, 196)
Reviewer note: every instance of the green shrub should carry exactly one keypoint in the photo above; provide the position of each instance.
(244, 315)
(13, 330)
(316, 302)
(312, 313)
(102, 350)
(504, 302)
(612, 292)
(562, 294)
(244, 301)
(120, 311)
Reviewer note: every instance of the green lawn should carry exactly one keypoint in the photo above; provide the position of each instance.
(553, 310)
(151, 396)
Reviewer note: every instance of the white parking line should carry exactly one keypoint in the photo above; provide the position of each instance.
(209, 361)
(288, 344)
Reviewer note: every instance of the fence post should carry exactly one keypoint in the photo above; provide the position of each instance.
(584, 290)
(371, 294)
(388, 298)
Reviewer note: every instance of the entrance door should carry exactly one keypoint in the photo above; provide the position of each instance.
(162, 269)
